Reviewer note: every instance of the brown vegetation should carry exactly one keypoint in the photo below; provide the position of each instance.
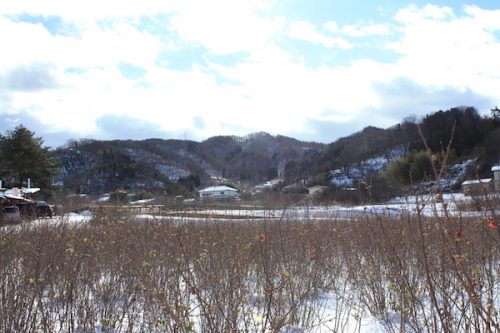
(432, 274)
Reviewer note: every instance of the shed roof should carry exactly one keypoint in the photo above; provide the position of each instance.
(477, 181)
(218, 188)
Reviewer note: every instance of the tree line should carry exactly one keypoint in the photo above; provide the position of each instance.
(453, 135)
(22, 156)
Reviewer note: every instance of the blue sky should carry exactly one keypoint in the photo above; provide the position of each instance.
(315, 70)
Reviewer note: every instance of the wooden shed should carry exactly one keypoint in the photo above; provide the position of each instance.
(478, 186)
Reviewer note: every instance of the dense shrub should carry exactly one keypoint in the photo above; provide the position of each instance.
(411, 168)
(434, 274)
(118, 196)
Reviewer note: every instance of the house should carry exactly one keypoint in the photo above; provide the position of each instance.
(220, 192)
(478, 186)
(496, 176)
(20, 198)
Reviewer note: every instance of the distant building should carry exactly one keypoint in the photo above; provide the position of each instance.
(317, 190)
(496, 176)
(218, 193)
(478, 186)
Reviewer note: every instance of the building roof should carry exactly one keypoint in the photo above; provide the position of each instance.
(495, 168)
(218, 188)
(477, 181)
(21, 191)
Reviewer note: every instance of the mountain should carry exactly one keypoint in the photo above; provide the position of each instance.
(470, 142)
(363, 153)
(91, 166)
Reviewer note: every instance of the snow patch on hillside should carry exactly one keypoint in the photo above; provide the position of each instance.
(166, 168)
(172, 172)
(210, 170)
(451, 179)
(456, 174)
(347, 176)
(341, 179)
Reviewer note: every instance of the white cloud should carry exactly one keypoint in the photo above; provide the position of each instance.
(308, 32)
(487, 18)
(88, 11)
(435, 49)
(332, 26)
(460, 52)
(23, 43)
(94, 48)
(225, 26)
(359, 29)
(413, 13)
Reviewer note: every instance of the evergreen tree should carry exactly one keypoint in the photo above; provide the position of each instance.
(23, 156)
(469, 129)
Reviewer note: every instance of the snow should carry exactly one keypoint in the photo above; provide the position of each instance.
(74, 218)
(172, 172)
(142, 201)
(103, 198)
(340, 178)
(217, 188)
(267, 185)
(209, 169)
(346, 177)
(333, 312)
(169, 170)
(426, 204)
(477, 181)
(81, 196)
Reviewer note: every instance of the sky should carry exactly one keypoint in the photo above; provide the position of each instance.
(314, 70)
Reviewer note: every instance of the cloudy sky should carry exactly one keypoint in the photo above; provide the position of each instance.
(315, 70)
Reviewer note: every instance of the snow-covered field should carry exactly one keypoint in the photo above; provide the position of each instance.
(330, 311)
(426, 205)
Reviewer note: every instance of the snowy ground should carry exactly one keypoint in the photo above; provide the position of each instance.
(426, 205)
(353, 319)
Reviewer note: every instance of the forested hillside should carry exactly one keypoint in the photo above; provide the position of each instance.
(473, 135)
(396, 160)
(90, 166)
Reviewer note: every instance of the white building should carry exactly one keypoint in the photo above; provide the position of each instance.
(496, 175)
(218, 193)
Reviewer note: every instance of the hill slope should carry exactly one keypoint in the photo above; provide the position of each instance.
(99, 166)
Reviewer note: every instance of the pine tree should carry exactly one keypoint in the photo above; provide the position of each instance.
(23, 156)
